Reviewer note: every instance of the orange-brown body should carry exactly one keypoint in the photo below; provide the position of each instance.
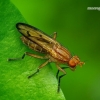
(57, 53)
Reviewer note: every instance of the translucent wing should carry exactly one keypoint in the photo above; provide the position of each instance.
(36, 36)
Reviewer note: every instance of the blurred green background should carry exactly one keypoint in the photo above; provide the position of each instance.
(78, 30)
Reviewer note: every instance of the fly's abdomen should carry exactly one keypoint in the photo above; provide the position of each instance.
(32, 45)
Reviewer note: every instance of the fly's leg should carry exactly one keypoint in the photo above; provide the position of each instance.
(54, 35)
(36, 56)
(41, 66)
(29, 54)
(13, 59)
(59, 82)
(62, 70)
(32, 55)
(59, 70)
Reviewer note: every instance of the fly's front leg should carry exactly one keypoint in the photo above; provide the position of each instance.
(29, 54)
(60, 69)
(41, 66)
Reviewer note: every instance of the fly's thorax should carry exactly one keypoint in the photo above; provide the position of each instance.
(60, 53)
(74, 61)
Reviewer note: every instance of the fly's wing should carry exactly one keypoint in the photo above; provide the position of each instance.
(37, 36)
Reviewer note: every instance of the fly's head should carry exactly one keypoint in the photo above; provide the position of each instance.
(74, 61)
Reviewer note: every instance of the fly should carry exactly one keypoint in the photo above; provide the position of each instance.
(54, 52)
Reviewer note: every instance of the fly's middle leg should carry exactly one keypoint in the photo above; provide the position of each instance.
(41, 66)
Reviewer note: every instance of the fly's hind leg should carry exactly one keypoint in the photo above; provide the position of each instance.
(41, 66)
(13, 59)
(29, 54)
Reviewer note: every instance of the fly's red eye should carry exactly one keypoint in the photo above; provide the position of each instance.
(72, 64)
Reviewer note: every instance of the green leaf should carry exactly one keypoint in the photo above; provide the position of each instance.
(14, 84)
